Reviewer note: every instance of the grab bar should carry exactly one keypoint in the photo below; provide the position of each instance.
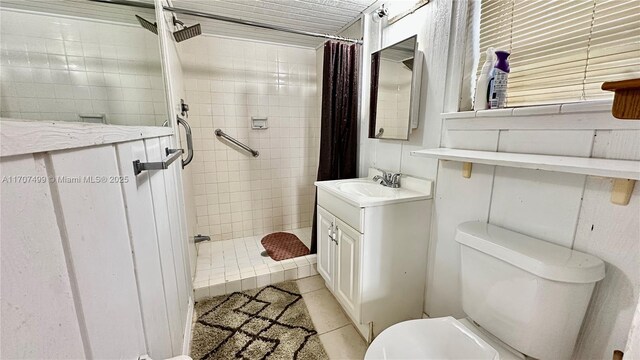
(172, 155)
(187, 129)
(221, 133)
(189, 136)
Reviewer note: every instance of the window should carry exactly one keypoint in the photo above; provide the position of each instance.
(562, 51)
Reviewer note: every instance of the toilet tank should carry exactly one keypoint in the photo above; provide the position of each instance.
(529, 293)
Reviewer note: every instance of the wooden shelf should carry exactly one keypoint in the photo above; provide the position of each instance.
(626, 102)
(619, 169)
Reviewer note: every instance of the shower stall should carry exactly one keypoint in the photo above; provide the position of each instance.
(249, 181)
(254, 110)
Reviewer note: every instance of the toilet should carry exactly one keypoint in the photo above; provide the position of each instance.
(524, 297)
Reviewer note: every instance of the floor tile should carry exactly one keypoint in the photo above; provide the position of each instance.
(201, 293)
(277, 276)
(233, 286)
(249, 283)
(325, 311)
(291, 274)
(309, 284)
(344, 343)
(263, 280)
(313, 269)
(217, 290)
(304, 271)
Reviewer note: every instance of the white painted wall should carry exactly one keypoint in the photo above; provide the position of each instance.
(56, 67)
(227, 82)
(91, 269)
(571, 210)
(431, 23)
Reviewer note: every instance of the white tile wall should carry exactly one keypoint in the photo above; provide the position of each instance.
(54, 68)
(227, 82)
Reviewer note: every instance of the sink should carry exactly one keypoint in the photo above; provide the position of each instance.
(363, 192)
(368, 189)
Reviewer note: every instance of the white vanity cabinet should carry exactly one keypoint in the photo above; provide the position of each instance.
(372, 253)
(339, 248)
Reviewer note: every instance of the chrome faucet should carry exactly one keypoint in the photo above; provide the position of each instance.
(389, 179)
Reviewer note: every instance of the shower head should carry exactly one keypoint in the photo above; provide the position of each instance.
(153, 27)
(187, 32)
(408, 63)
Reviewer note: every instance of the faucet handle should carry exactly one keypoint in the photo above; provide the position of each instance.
(394, 179)
(384, 173)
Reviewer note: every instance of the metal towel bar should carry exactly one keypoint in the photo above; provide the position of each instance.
(222, 134)
(172, 155)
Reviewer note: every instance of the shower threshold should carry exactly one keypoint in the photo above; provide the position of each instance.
(227, 266)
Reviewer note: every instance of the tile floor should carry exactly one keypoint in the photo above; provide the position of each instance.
(339, 337)
(223, 267)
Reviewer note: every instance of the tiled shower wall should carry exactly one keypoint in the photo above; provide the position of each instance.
(227, 82)
(55, 68)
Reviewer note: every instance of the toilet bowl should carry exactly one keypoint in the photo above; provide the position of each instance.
(438, 338)
(525, 296)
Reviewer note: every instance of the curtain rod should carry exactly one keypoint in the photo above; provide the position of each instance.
(228, 19)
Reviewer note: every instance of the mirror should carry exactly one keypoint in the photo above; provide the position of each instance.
(80, 61)
(394, 71)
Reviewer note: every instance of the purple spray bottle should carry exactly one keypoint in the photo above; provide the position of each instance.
(499, 87)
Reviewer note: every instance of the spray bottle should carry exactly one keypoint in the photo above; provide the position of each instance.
(481, 100)
(501, 77)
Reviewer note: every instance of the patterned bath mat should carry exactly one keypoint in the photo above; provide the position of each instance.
(283, 245)
(266, 323)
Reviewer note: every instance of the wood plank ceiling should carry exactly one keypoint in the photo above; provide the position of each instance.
(322, 16)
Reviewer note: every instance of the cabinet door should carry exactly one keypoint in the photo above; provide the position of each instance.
(347, 276)
(326, 248)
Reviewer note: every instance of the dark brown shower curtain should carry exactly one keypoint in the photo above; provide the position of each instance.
(339, 119)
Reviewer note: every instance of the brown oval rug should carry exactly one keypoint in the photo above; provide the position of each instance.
(283, 245)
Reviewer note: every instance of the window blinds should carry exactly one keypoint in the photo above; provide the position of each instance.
(562, 51)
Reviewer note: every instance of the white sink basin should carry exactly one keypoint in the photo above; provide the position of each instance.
(365, 192)
(368, 189)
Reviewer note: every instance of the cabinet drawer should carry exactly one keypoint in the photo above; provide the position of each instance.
(353, 216)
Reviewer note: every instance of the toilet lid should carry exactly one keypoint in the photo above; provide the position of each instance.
(440, 338)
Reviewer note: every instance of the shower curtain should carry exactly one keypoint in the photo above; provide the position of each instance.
(339, 119)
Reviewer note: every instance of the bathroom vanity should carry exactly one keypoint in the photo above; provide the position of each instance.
(372, 248)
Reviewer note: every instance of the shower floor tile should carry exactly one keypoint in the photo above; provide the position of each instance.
(236, 264)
